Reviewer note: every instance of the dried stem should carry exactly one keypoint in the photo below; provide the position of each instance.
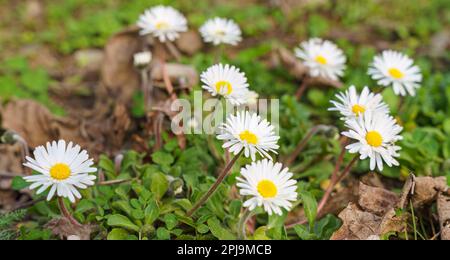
(301, 90)
(173, 50)
(214, 187)
(302, 145)
(66, 213)
(335, 179)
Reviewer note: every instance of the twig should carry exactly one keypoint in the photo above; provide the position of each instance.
(173, 50)
(113, 182)
(301, 90)
(214, 187)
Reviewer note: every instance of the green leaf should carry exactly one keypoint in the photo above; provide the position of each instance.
(118, 220)
(162, 158)
(137, 214)
(218, 231)
(171, 221)
(19, 183)
(106, 164)
(310, 207)
(202, 229)
(159, 185)
(117, 234)
(260, 234)
(151, 213)
(303, 233)
(162, 233)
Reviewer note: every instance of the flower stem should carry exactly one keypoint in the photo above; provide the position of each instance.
(214, 187)
(242, 225)
(301, 90)
(335, 179)
(301, 146)
(65, 212)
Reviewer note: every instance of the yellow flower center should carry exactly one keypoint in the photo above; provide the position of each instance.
(321, 59)
(248, 136)
(267, 189)
(374, 139)
(395, 73)
(224, 87)
(220, 32)
(358, 109)
(60, 171)
(162, 25)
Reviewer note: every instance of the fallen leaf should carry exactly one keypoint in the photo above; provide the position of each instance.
(426, 190)
(376, 200)
(64, 229)
(189, 42)
(443, 207)
(357, 224)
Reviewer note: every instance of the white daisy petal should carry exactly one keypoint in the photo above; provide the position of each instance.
(227, 81)
(249, 132)
(322, 57)
(353, 105)
(62, 167)
(376, 134)
(163, 22)
(395, 69)
(261, 181)
(221, 31)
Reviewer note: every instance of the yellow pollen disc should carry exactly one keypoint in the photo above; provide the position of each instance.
(267, 189)
(162, 25)
(357, 109)
(321, 59)
(395, 73)
(374, 139)
(248, 136)
(220, 32)
(60, 171)
(224, 87)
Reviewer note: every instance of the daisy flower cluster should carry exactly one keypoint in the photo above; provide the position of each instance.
(372, 127)
(264, 182)
(166, 23)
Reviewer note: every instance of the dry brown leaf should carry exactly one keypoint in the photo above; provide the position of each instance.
(181, 76)
(376, 200)
(393, 223)
(30, 120)
(443, 206)
(63, 228)
(426, 190)
(357, 224)
(189, 42)
(119, 77)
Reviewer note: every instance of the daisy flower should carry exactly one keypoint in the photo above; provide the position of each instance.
(61, 168)
(376, 134)
(268, 185)
(249, 132)
(395, 69)
(227, 81)
(323, 58)
(163, 22)
(221, 31)
(350, 104)
(142, 59)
